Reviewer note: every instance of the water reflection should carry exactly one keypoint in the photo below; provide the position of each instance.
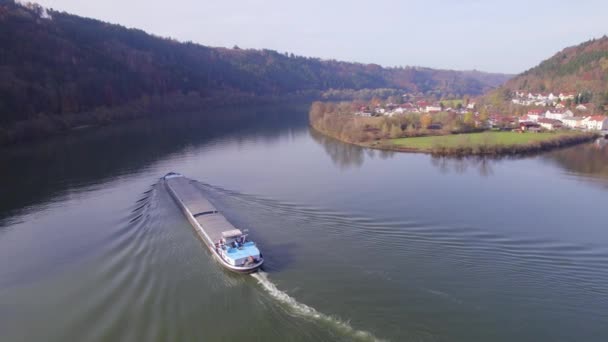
(345, 155)
(352, 156)
(460, 165)
(34, 173)
(590, 160)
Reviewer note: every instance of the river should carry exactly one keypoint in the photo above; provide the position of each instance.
(359, 244)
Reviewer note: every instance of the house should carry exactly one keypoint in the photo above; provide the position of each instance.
(534, 115)
(595, 122)
(529, 127)
(432, 109)
(409, 107)
(573, 122)
(471, 105)
(560, 106)
(422, 103)
(558, 114)
(550, 124)
(363, 114)
(581, 107)
(498, 120)
(564, 97)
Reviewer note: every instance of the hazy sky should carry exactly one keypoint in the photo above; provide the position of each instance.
(500, 36)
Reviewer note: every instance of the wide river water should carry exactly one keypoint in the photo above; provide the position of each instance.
(359, 244)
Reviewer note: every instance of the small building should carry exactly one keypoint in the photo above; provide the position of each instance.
(566, 96)
(432, 109)
(529, 127)
(501, 121)
(550, 124)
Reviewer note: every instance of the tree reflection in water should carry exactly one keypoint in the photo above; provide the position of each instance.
(588, 159)
(462, 164)
(346, 155)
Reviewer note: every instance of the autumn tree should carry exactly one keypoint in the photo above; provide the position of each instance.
(385, 129)
(426, 120)
(396, 131)
(375, 102)
(483, 115)
(469, 119)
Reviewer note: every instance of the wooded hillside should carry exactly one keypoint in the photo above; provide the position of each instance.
(580, 69)
(53, 64)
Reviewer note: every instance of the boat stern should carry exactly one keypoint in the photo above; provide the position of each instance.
(242, 255)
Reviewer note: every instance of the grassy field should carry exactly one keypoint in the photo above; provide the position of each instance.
(476, 140)
(452, 103)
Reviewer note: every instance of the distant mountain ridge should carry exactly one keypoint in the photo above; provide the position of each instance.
(54, 63)
(580, 69)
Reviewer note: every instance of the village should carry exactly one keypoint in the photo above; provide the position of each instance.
(553, 114)
(414, 107)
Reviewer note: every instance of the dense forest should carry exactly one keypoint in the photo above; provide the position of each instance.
(54, 65)
(580, 69)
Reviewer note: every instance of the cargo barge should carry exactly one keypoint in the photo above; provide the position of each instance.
(229, 245)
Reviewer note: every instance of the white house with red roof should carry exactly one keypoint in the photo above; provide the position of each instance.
(573, 122)
(596, 122)
(558, 114)
(534, 115)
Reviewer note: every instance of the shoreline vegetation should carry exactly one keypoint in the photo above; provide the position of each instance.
(417, 133)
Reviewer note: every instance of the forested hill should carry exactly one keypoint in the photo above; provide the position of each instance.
(56, 63)
(580, 69)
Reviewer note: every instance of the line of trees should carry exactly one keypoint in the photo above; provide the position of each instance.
(339, 121)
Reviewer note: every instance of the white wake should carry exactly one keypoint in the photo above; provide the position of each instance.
(307, 311)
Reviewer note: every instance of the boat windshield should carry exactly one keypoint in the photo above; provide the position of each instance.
(235, 242)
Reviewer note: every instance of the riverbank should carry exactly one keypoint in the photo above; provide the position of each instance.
(487, 143)
(477, 143)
